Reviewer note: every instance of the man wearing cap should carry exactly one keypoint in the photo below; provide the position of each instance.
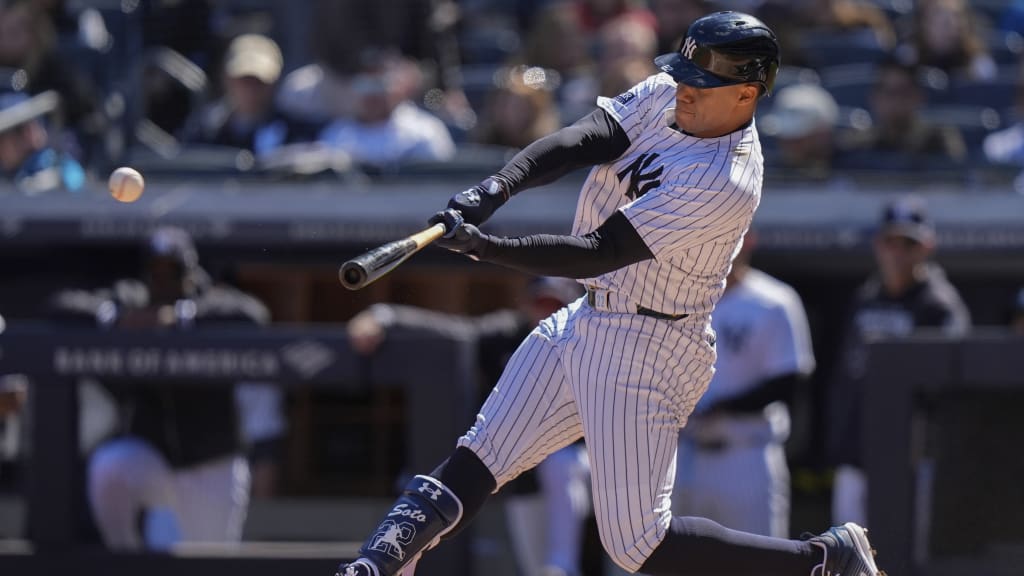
(803, 122)
(386, 128)
(247, 116)
(907, 293)
(27, 158)
(176, 471)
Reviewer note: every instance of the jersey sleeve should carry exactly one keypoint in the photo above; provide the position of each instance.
(787, 340)
(632, 108)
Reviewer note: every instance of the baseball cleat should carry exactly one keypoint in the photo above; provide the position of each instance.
(847, 552)
(360, 567)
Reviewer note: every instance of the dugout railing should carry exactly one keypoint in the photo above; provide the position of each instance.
(942, 450)
(436, 373)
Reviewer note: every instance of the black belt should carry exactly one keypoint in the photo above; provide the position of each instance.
(592, 300)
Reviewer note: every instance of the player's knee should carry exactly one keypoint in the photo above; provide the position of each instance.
(628, 552)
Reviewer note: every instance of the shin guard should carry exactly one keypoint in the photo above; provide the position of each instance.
(424, 512)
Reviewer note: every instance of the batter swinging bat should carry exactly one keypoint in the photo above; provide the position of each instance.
(368, 267)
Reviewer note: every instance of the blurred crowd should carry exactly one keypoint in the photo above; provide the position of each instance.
(381, 87)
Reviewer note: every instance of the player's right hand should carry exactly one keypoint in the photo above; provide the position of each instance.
(464, 239)
(478, 203)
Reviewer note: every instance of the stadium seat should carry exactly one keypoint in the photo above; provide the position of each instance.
(830, 48)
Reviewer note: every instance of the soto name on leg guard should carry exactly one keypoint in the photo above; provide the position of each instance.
(424, 513)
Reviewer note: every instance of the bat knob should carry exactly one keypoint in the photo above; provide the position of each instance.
(352, 275)
(452, 220)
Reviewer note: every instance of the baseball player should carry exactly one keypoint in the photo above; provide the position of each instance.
(732, 465)
(675, 180)
(908, 293)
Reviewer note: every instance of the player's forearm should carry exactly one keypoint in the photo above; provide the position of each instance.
(594, 139)
(614, 245)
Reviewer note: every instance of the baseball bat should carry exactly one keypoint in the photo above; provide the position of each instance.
(364, 269)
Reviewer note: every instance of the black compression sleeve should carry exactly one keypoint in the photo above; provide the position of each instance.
(613, 245)
(594, 139)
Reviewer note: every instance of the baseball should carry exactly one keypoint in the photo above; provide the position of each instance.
(126, 184)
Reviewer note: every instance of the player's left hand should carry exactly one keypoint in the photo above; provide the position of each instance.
(464, 239)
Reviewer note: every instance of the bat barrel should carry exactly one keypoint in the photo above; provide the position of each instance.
(364, 269)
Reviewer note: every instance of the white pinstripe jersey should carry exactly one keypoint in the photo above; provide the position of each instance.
(690, 199)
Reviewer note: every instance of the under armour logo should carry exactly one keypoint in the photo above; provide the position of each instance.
(470, 197)
(641, 182)
(435, 493)
(688, 47)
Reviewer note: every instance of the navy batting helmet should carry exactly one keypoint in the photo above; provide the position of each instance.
(722, 49)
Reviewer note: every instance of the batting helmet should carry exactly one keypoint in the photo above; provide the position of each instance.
(722, 49)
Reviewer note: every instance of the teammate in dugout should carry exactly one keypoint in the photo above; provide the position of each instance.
(676, 179)
(731, 465)
(908, 293)
(176, 471)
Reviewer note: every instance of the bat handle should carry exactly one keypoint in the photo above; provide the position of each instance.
(429, 235)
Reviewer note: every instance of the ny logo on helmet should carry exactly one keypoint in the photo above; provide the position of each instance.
(434, 493)
(688, 47)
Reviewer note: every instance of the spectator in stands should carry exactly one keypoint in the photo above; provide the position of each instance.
(796, 21)
(593, 15)
(28, 48)
(422, 32)
(247, 117)
(558, 42)
(909, 292)
(1006, 146)
(803, 122)
(674, 18)
(945, 35)
(626, 48)
(178, 472)
(315, 93)
(27, 157)
(546, 539)
(519, 109)
(897, 130)
(387, 129)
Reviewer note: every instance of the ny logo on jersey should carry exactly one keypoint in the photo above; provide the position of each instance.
(688, 47)
(641, 182)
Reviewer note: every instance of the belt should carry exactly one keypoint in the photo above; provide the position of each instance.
(607, 301)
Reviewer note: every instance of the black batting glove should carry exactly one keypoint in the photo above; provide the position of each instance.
(451, 219)
(463, 238)
(478, 203)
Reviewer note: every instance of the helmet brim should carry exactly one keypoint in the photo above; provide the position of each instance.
(686, 72)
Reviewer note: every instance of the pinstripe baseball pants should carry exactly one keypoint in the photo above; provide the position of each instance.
(627, 384)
